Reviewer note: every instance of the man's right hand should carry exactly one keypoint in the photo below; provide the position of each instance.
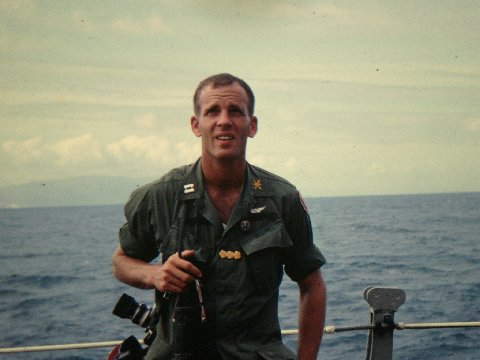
(172, 276)
(176, 273)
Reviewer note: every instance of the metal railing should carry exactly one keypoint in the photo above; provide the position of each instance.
(383, 301)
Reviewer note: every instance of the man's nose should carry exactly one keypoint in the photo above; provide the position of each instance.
(223, 118)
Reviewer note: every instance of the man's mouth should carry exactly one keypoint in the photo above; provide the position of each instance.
(224, 137)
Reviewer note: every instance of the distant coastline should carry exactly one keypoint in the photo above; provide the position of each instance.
(78, 191)
(102, 190)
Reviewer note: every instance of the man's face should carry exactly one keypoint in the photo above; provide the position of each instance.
(223, 122)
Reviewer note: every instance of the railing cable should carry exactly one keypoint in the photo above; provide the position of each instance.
(439, 325)
(328, 330)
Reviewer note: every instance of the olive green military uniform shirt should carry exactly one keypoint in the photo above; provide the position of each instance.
(242, 262)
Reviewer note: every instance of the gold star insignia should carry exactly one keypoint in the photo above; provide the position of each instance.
(257, 184)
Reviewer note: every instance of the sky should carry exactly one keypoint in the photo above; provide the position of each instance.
(352, 97)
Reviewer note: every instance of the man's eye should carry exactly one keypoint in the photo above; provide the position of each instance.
(236, 111)
(212, 111)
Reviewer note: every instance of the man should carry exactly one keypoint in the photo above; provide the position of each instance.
(239, 227)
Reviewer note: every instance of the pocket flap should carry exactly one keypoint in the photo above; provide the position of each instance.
(170, 246)
(273, 235)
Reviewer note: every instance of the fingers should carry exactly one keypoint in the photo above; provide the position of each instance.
(185, 265)
(176, 273)
(186, 254)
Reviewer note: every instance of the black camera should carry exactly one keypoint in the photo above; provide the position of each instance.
(140, 314)
(189, 316)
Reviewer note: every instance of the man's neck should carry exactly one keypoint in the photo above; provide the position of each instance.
(223, 182)
(224, 176)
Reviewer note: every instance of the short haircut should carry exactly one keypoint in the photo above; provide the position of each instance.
(219, 80)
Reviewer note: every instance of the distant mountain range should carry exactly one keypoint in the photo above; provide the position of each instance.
(88, 190)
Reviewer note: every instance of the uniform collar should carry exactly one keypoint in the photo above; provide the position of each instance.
(193, 187)
(255, 184)
(255, 188)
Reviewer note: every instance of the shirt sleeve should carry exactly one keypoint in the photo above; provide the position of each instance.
(137, 236)
(305, 257)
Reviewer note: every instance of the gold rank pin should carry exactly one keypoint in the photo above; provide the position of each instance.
(257, 184)
(224, 254)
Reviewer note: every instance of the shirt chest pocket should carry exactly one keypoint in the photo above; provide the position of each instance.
(170, 245)
(264, 252)
(190, 242)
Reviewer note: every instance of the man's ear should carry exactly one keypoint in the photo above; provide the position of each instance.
(194, 124)
(253, 128)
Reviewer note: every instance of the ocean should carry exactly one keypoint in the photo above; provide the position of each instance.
(57, 286)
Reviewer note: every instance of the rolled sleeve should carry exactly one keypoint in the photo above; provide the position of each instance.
(305, 256)
(307, 262)
(133, 247)
(137, 236)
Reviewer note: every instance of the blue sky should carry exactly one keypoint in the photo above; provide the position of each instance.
(353, 97)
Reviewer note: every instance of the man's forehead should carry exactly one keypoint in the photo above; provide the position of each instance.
(232, 93)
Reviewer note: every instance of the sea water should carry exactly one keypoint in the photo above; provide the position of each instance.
(57, 286)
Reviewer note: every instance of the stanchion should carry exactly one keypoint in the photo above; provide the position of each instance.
(383, 304)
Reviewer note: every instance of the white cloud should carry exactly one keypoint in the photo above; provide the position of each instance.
(186, 153)
(473, 125)
(5, 40)
(59, 69)
(375, 169)
(65, 96)
(24, 151)
(17, 28)
(389, 169)
(150, 154)
(147, 120)
(86, 154)
(156, 25)
(13, 42)
(143, 148)
(151, 25)
(76, 150)
(258, 159)
(22, 9)
(291, 164)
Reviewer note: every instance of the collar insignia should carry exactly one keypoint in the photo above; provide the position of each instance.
(257, 184)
